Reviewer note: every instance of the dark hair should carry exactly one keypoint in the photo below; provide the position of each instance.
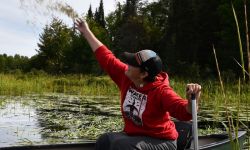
(149, 78)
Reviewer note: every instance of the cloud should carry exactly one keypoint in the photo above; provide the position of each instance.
(17, 43)
(16, 36)
(20, 28)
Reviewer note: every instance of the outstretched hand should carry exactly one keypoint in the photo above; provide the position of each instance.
(81, 25)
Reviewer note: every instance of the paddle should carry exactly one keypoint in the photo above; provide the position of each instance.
(195, 127)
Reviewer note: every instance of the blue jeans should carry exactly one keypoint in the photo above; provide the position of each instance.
(121, 141)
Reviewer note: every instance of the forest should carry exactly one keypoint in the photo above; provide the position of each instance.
(183, 33)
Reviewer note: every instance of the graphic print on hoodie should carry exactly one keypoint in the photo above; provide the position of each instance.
(134, 106)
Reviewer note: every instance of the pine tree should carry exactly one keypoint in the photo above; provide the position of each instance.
(101, 20)
(119, 12)
(97, 16)
(90, 13)
(130, 8)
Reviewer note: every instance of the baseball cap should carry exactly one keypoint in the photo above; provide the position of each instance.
(145, 59)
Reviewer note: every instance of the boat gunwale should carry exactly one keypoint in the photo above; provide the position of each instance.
(241, 134)
(85, 143)
(51, 146)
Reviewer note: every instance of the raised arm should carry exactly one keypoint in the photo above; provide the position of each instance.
(83, 27)
(108, 62)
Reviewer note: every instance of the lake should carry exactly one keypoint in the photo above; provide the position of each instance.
(60, 118)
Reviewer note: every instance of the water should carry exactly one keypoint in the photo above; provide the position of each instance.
(18, 124)
(53, 119)
(59, 118)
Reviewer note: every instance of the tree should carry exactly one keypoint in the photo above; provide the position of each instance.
(54, 42)
(101, 20)
(2, 63)
(131, 7)
(181, 32)
(81, 59)
(90, 13)
(97, 16)
(128, 27)
(139, 28)
(156, 23)
(10, 63)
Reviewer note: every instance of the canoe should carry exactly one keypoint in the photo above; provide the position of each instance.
(210, 142)
(184, 142)
(219, 141)
(89, 145)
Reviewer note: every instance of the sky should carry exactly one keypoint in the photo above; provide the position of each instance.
(21, 23)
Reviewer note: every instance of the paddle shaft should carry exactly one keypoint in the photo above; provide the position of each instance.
(195, 126)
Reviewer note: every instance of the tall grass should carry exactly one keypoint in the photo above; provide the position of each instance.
(248, 51)
(230, 125)
(247, 36)
(219, 75)
(22, 84)
(240, 43)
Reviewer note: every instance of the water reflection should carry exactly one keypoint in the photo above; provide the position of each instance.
(18, 125)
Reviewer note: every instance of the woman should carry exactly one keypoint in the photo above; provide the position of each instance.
(147, 100)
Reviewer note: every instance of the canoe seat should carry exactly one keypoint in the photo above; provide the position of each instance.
(184, 130)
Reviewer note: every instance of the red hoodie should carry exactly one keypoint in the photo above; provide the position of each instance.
(147, 110)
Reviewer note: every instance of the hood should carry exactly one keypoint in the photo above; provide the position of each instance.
(161, 79)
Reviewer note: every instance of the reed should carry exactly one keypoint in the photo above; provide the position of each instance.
(230, 126)
(240, 43)
(219, 75)
(247, 36)
(244, 72)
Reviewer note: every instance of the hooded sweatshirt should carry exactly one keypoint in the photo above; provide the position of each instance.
(147, 110)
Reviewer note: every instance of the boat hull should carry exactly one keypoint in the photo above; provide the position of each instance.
(211, 142)
(219, 142)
